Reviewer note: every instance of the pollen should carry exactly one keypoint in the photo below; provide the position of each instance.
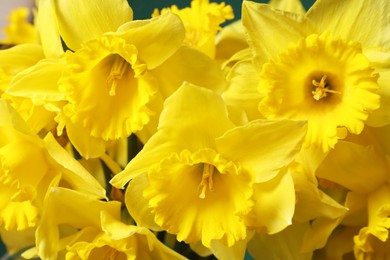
(118, 69)
(207, 180)
(322, 89)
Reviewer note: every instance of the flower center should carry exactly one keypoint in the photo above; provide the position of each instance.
(328, 82)
(118, 69)
(322, 89)
(207, 180)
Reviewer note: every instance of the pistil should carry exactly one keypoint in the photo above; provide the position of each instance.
(118, 68)
(322, 90)
(207, 180)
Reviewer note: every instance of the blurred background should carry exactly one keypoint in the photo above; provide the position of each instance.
(142, 10)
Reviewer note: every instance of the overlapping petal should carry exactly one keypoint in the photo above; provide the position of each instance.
(81, 21)
(364, 21)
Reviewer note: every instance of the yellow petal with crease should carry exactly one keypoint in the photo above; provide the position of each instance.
(156, 39)
(81, 21)
(269, 145)
(359, 20)
(274, 204)
(261, 20)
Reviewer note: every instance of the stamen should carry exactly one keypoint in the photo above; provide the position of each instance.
(321, 90)
(118, 68)
(207, 180)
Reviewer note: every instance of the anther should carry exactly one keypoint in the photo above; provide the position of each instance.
(118, 68)
(207, 180)
(321, 90)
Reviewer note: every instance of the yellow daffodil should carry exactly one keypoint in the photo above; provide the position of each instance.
(202, 22)
(96, 232)
(314, 66)
(122, 72)
(36, 100)
(23, 153)
(24, 67)
(20, 30)
(220, 187)
(241, 96)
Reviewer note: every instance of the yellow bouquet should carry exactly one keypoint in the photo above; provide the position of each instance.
(175, 137)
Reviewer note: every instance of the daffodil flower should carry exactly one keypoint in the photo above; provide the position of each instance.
(202, 21)
(315, 66)
(222, 180)
(23, 153)
(96, 232)
(20, 30)
(123, 76)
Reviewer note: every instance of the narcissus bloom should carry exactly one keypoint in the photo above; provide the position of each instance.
(123, 77)
(314, 66)
(119, 69)
(20, 30)
(22, 153)
(202, 22)
(96, 232)
(221, 179)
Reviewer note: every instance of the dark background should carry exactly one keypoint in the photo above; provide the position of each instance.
(144, 8)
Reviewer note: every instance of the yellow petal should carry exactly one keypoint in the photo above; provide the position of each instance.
(318, 233)
(354, 20)
(221, 251)
(39, 82)
(380, 60)
(177, 69)
(62, 206)
(274, 204)
(49, 33)
(260, 21)
(293, 6)
(372, 242)
(73, 172)
(283, 245)
(81, 21)
(20, 57)
(10, 118)
(87, 145)
(230, 40)
(348, 165)
(311, 201)
(269, 145)
(138, 205)
(242, 89)
(156, 39)
(16, 59)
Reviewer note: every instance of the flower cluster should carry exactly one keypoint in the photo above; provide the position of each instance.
(131, 139)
